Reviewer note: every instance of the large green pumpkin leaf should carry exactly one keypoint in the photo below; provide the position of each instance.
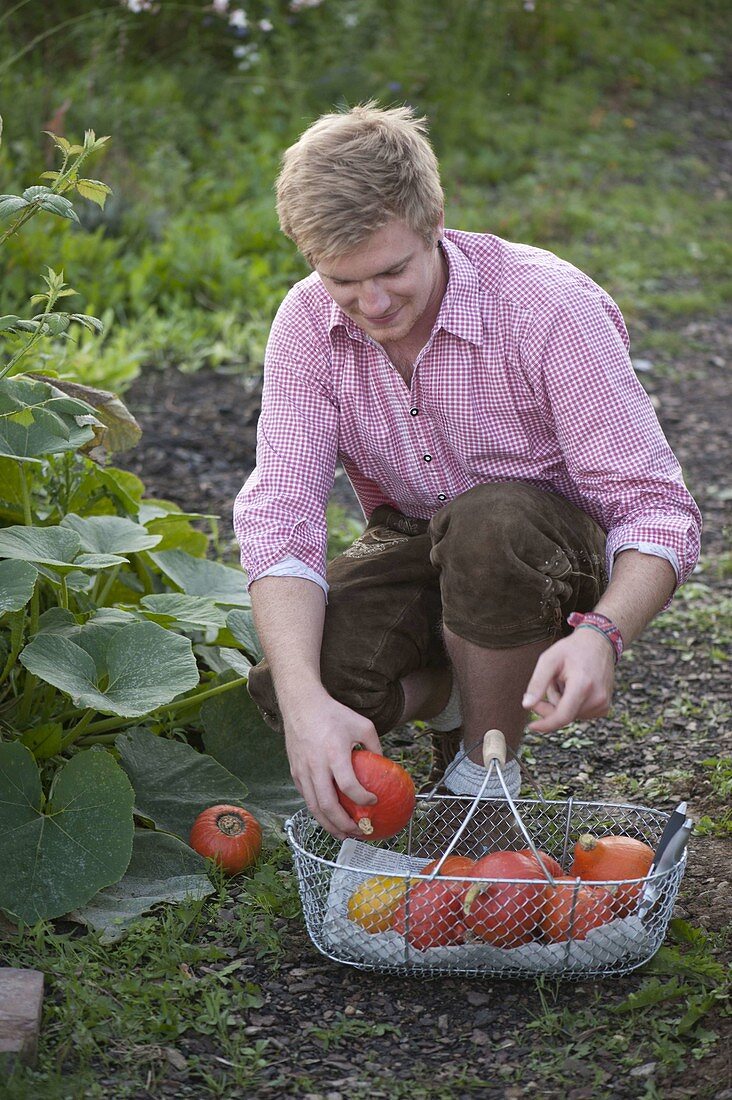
(17, 581)
(37, 420)
(173, 782)
(110, 534)
(127, 668)
(241, 625)
(188, 612)
(162, 869)
(58, 548)
(121, 429)
(201, 577)
(12, 481)
(236, 736)
(54, 859)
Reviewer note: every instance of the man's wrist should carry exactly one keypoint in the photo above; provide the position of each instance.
(593, 620)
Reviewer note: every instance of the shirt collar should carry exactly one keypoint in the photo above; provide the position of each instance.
(461, 310)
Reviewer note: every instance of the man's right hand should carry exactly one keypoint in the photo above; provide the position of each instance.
(320, 740)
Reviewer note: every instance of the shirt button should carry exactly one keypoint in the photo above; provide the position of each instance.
(413, 411)
(442, 496)
(427, 458)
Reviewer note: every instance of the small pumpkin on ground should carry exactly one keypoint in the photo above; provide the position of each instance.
(229, 835)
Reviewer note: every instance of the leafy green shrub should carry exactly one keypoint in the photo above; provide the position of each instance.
(113, 625)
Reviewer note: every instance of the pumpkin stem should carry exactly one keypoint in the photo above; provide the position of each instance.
(231, 824)
(587, 842)
(473, 892)
(366, 825)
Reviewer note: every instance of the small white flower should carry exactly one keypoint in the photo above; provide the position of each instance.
(238, 18)
(350, 19)
(265, 25)
(220, 6)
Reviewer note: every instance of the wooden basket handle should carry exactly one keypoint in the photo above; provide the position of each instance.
(494, 748)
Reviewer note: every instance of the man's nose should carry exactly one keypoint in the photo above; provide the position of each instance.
(374, 300)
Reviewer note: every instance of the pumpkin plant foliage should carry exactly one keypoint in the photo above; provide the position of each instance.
(113, 627)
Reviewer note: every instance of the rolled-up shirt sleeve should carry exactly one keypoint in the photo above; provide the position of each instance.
(615, 452)
(280, 511)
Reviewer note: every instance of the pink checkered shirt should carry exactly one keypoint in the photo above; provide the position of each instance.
(526, 376)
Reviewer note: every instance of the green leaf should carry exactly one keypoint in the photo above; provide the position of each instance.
(201, 577)
(241, 625)
(56, 547)
(12, 476)
(162, 869)
(110, 534)
(174, 783)
(57, 423)
(57, 204)
(10, 204)
(236, 736)
(94, 190)
(223, 659)
(121, 429)
(127, 668)
(44, 741)
(91, 323)
(17, 581)
(53, 324)
(189, 612)
(55, 859)
(59, 141)
(36, 192)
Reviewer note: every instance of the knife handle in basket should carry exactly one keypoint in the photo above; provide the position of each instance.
(494, 748)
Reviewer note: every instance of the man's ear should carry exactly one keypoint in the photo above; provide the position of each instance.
(441, 226)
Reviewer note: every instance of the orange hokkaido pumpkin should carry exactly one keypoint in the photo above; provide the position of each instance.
(430, 915)
(609, 858)
(394, 790)
(572, 908)
(453, 866)
(552, 865)
(229, 835)
(505, 914)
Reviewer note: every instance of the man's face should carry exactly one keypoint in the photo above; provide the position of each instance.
(391, 285)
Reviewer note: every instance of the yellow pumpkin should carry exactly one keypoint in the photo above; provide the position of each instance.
(374, 902)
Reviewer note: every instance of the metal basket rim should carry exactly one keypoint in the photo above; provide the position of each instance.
(657, 877)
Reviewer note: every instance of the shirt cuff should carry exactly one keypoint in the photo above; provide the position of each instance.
(656, 551)
(293, 567)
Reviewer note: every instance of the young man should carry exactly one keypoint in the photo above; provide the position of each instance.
(481, 399)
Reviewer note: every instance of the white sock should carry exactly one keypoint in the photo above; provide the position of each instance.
(467, 778)
(449, 718)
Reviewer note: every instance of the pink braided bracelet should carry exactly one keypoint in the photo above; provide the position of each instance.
(602, 625)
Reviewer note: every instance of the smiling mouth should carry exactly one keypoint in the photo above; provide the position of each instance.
(385, 320)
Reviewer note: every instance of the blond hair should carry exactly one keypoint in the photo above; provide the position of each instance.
(350, 173)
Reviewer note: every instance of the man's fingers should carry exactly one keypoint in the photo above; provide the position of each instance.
(328, 812)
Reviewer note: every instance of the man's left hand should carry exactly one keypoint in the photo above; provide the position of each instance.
(573, 679)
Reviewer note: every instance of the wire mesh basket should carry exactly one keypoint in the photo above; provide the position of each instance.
(400, 906)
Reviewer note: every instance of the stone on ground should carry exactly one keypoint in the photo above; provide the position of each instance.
(21, 998)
